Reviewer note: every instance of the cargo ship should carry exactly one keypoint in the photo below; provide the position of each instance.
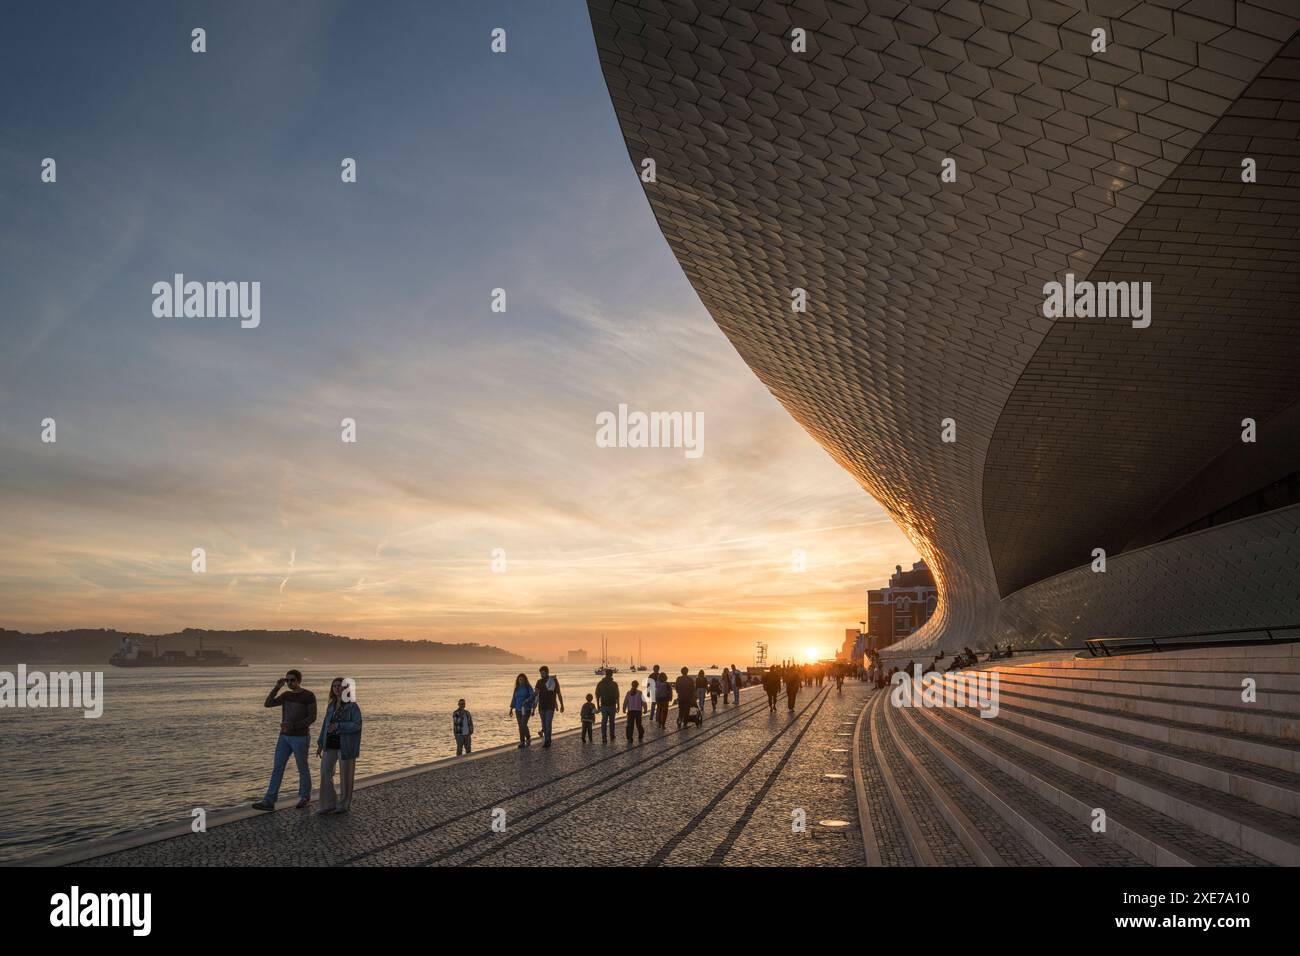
(130, 654)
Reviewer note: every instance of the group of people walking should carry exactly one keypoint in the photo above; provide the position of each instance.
(660, 693)
(793, 676)
(338, 743)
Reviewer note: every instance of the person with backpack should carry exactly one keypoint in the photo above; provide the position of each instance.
(588, 717)
(607, 701)
(633, 705)
(715, 689)
(701, 691)
(548, 696)
(663, 697)
(521, 706)
(735, 682)
(685, 696)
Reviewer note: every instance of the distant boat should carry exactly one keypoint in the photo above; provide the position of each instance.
(639, 667)
(129, 654)
(604, 659)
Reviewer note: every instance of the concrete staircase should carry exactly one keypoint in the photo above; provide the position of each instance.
(1185, 771)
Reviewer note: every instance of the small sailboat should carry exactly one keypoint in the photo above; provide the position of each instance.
(604, 659)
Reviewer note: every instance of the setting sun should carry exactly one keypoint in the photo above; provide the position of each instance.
(811, 654)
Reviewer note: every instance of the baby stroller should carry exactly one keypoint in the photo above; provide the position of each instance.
(684, 713)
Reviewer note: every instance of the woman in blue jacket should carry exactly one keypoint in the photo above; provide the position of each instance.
(521, 706)
(339, 744)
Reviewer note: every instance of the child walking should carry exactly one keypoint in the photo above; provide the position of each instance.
(633, 705)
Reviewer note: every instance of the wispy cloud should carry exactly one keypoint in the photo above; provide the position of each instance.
(475, 430)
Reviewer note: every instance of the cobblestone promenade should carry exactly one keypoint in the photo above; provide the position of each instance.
(726, 794)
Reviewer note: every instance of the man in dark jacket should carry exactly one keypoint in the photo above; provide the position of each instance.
(297, 714)
(793, 678)
(772, 685)
(548, 696)
(685, 696)
(607, 701)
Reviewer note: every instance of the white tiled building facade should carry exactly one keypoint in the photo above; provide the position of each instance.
(1018, 447)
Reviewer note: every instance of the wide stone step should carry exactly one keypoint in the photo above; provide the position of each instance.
(1271, 835)
(1043, 826)
(886, 840)
(1253, 719)
(1219, 677)
(1252, 748)
(1266, 786)
(986, 837)
(933, 840)
(1153, 837)
(1190, 689)
(1271, 649)
(1272, 663)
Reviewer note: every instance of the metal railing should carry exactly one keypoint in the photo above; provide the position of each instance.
(1110, 646)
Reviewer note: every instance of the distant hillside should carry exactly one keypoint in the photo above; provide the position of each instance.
(256, 647)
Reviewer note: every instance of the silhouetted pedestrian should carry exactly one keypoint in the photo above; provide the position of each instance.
(548, 697)
(521, 705)
(663, 696)
(462, 726)
(607, 701)
(772, 684)
(633, 706)
(652, 689)
(685, 696)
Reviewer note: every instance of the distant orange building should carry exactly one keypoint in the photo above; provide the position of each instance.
(895, 612)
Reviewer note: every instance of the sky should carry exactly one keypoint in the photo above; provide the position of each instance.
(475, 430)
